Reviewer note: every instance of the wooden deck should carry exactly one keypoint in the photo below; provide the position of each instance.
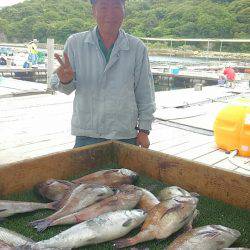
(35, 125)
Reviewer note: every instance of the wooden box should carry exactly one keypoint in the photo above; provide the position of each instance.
(215, 183)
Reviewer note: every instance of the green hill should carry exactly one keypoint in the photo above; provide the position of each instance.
(147, 18)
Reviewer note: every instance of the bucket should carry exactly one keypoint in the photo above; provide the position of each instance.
(175, 71)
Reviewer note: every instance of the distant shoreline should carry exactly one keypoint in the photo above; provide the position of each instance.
(165, 52)
(200, 54)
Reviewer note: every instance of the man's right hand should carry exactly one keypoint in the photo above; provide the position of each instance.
(65, 72)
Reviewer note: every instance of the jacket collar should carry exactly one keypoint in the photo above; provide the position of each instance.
(121, 42)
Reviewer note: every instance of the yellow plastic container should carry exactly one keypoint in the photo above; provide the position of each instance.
(232, 127)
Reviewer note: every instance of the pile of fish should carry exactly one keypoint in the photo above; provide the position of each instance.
(105, 206)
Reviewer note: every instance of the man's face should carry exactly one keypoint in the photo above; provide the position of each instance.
(109, 14)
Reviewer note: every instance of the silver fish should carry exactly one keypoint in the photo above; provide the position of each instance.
(163, 220)
(5, 246)
(106, 227)
(8, 208)
(81, 197)
(235, 248)
(206, 238)
(173, 191)
(12, 238)
(126, 198)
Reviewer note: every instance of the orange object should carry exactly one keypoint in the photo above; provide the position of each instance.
(232, 127)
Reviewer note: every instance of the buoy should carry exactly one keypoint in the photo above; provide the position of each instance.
(232, 127)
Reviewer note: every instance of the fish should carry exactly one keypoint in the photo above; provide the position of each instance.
(163, 220)
(126, 198)
(106, 227)
(148, 200)
(82, 196)
(12, 238)
(206, 238)
(54, 190)
(5, 246)
(8, 208)
(110, 177)
(235, 248)
(173, 191)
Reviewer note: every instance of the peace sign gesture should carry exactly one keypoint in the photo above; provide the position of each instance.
(65, 71)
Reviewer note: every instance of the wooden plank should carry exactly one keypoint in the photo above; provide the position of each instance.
(194, 141)
(225, 164)
(164, 145)
(23, 139)
(215, 183)
(243, 171)
(166, 134)
(213, 157)
(24, 175)
(34, 101)
(180, 97)
(10, 157)
(22, 150)
(197, 152)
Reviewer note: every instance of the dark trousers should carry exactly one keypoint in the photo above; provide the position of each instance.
(84, 140)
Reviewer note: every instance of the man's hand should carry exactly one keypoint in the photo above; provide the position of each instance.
(142, 140)
(64, 72)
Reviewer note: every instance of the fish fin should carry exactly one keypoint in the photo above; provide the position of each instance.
(188, 227)
(210, 234)
(40, 225)
(2, 210)
(194, 194)
(127, 223)
(142, 236)
(110, 171)
(56, 205)
(68, 183)
(220, 242)
(165, 210)
(123, 243)
(187, 220)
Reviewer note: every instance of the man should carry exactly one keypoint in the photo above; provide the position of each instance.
(110, 73)
(230, 75)
(32, 49)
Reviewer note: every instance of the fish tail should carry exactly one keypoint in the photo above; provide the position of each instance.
(128, 241)
(41, 225)
(55, 205)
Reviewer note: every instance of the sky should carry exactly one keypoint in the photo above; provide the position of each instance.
(4, 3)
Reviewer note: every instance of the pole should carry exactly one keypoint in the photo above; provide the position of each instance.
(208, 48)
(220, 50)
(50, 65)
(171, 48)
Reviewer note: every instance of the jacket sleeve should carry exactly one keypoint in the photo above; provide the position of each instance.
(144, 89)
(55, 82)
